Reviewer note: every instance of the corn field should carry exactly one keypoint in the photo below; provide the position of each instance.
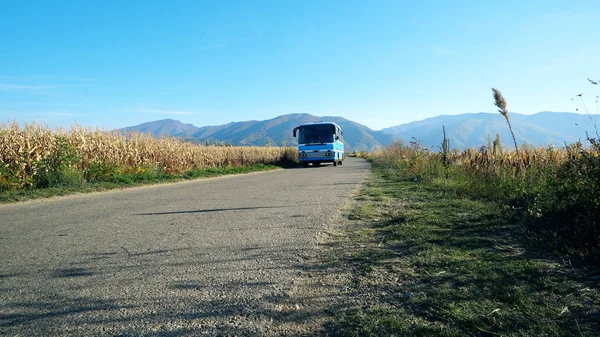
(32, 151)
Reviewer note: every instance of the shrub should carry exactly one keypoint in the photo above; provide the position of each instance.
(566, 213)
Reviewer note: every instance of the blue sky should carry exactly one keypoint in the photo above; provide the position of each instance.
(112, 64)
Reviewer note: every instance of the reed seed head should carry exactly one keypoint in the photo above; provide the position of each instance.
(500, 102)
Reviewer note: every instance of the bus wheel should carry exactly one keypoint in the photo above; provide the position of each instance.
(340, 162)
(335, 163)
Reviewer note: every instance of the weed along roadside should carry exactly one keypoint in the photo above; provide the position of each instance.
(426, 260)
(126, 180)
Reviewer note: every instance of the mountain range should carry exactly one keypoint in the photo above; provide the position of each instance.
(276, 131)
(464, 131)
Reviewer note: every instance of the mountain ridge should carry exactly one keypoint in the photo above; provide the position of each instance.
(464, 130)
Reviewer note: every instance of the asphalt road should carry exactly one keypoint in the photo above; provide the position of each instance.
(221, 256)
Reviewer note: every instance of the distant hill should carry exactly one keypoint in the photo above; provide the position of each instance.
(259, 133)
(165, 127)
(472, 130)
(464, 131)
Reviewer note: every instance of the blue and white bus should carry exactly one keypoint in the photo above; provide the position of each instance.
(318, 143)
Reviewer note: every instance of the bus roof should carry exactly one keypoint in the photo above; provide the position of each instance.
(319, 123)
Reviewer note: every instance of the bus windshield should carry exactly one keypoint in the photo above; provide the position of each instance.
(318, 133)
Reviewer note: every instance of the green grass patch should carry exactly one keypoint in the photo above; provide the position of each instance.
(69, 181)
(431, 262)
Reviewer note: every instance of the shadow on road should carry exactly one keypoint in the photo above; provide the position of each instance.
(213, 210)
(170, 293)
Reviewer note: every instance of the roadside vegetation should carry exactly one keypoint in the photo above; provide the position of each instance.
(480, 242)
(36, 161)
(429, 259)
(552, 194)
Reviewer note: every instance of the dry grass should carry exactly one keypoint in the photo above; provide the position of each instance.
(486, 160)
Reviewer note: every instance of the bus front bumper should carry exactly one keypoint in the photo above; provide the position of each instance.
(319, 156)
